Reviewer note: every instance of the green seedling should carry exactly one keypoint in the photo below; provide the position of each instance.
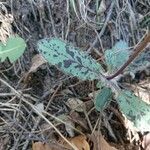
(13, 49)
(77, 63)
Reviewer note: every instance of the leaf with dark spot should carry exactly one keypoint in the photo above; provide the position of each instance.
(67, 63)
(60, 64)
(69, 59)
(55, 55)
(79, 59)
(135, 110)
(69, 51)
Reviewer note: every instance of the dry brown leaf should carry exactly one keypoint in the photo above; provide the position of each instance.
(75, 117)
(79, 141)
(99, 143)
(45, 146)
(97, 140)
(37, 61)
(75, 104)
(40, 146)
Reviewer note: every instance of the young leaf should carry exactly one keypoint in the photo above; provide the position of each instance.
(69, 59)
(13, 49)
(116, 56)
(103, 98)
(135, 110)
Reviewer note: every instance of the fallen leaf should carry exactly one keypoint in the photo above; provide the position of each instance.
(46, 146)
(37, 61)
(75, 104)
(99, 143)
(40, 146)
(79, 141)
(75, 117)
(69, 129)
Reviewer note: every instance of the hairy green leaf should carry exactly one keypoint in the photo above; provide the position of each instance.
(13, 49)
(116, 56)
(135, 110)
(69, 59)
(103, 98)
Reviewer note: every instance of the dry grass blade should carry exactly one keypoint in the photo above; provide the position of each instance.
(104, 26)
(41, 115)
(99, 143)
(73, 6)
(5, 27)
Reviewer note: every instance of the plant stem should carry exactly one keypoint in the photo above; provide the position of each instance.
(136, 52)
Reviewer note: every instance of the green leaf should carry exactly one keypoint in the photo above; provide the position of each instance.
(116, 56)
(13, 49)
(69, 59)
(103, 98)
(135, 110)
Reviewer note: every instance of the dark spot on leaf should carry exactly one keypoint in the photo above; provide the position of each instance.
(76, 49)
(78, 66)
(142, 113)
(131, 115)
(148, 110)
(67, 63)
(44, 52)
(42, 42)
(86, 71)
(79, 59)
(127, 100)
(59, 65)
(138, 117)
(69, 51)
(55, 55)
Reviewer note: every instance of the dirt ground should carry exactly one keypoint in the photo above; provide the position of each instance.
(93, 26)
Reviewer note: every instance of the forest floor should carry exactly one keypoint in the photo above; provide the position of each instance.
(93, 26)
